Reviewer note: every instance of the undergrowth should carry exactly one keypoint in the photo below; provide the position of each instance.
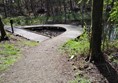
(77, 46)
(8, 55)
(22, 20)
(80, 47)
(80, 79)
(112, 51)
(33, 20)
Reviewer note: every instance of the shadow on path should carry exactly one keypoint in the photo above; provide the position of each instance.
(108, 72)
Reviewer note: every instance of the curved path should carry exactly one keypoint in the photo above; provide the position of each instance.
(71, 31)
(44, 63)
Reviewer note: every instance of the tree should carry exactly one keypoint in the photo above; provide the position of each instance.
(5, 8)
(3, 33)
(96, 37)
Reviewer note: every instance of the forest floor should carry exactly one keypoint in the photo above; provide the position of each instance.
(87, 72)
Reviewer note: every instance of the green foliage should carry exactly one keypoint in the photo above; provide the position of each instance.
(8, 49)
(8, 55)
(109, 45)
(111, 49)
(114, 13)
(77, 46)
(21, 20)
(80, 79)
(107, 2)
(83, 1)
(113, 44)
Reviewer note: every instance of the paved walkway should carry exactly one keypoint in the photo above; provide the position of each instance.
(27, 34)
(44, 63)
(71, 31)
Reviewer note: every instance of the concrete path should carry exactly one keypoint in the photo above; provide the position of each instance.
(27, 34)
(71, 31)
(44, 63)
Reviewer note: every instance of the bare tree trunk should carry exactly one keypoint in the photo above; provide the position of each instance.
(32, 7)
(96, 53)
(3, 33)
(5, 11)
(65, 11)
(19, 3)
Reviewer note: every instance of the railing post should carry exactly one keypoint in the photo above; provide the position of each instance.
(11, 22)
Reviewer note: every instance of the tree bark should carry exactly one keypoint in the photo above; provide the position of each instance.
(3, 33)
(65, 11)
(96, 38)
(5, 11)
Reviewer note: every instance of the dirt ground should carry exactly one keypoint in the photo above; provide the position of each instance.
(41, 64)
(106, 72)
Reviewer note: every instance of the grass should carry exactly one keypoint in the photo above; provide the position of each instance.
(11, 51)
(77, 46)
(30, 43)
(8, 55)
(81, 46)
(8, 49)
(80, 79)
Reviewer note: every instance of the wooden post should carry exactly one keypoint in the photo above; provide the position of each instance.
(11, 22)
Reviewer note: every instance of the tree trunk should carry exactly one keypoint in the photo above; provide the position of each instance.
(65, 11)
(5, 11)
(32, 7)
(3, 33)
(96, 38)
